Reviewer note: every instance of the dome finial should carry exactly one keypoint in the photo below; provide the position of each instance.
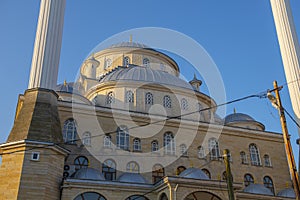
(191, 164)
(287, 184)
(130, 38)
(234, 110)
(65, 82)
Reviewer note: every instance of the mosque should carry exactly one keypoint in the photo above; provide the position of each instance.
(129, 128)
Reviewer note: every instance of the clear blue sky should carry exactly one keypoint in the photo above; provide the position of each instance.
(239, 35)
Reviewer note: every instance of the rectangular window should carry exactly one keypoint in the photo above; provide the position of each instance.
(35, 156)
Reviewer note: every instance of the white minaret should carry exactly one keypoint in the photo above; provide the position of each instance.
(290, 50)
(45, 59)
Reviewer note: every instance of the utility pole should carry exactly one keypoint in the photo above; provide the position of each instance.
(226, 157)
(276, 102)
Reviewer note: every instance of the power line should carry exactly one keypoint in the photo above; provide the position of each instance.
(291, 117)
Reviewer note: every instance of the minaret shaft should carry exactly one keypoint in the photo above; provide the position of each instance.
(290, 50)
(46, 54)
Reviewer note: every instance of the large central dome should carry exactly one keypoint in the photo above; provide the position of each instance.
(144, 75)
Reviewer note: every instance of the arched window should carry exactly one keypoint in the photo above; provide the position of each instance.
(108, 63)
(132, 167)
(184, 104)
(268, 183)
(126, 61)
(200, 109)
(146, 62)
(213, 147)
(167, 101)
(107, 141)
(81, 162)
(169, 143)
(267, 161)
(109, 169)
(254, 155)
(129, 97)
(201, 152)
(183, 150)
(207, 173)
(154, 146)
(248, 179)
(123, 138)
(180, 169)
(163, 197)
(137, 197)
(70, 131)
(90, 195)
(243, 156)
(110, 98)
(158, 172)
(137, 144)
(86, 139)
(149, 98)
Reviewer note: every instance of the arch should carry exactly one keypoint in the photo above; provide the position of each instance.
(81, 162)
(180, 169)
(158, 172)
(201, 152)
(199, 195)
(110, 98)
(137, 144)
(149, 98)
(248, 179)
(154, 146)
(70, 131)
(183, 150)
(109, 169)
(146, 62)
(267, 161)
(214, 151)
(169, 143)
(254, 155)
(268, 183)
(86, 138)
(184, 104)
(133, 167)
(167, 103)
(243, 157)
(107, 141)
(137, 197)
(126, 61)
(207, 172)
(90, 196)
(129, 97)
(108, 63)
(123, 137)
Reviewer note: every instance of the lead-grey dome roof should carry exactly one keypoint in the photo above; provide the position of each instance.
(288, 192)
(132, 178)
(238, 117)
(258, 189)
(194, 173)
(144, 75)
(129, 44)
(89, 174)
(65, 87)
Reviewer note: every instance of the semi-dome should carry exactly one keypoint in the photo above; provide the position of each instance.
(194, 173)
(288, 192)
(144, 75)
(129, 44)
(89, 174)
(132, 178)
(258, 189)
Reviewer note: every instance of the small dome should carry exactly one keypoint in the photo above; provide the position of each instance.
(89, 174)
(288, 192)
(65, 87)
(238, 117)
(258, 189)
(129, 44)
(194, 173)
(144, 74)
(132, 178)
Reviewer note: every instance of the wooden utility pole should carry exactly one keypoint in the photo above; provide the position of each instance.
(226, 157)
(287, 143)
